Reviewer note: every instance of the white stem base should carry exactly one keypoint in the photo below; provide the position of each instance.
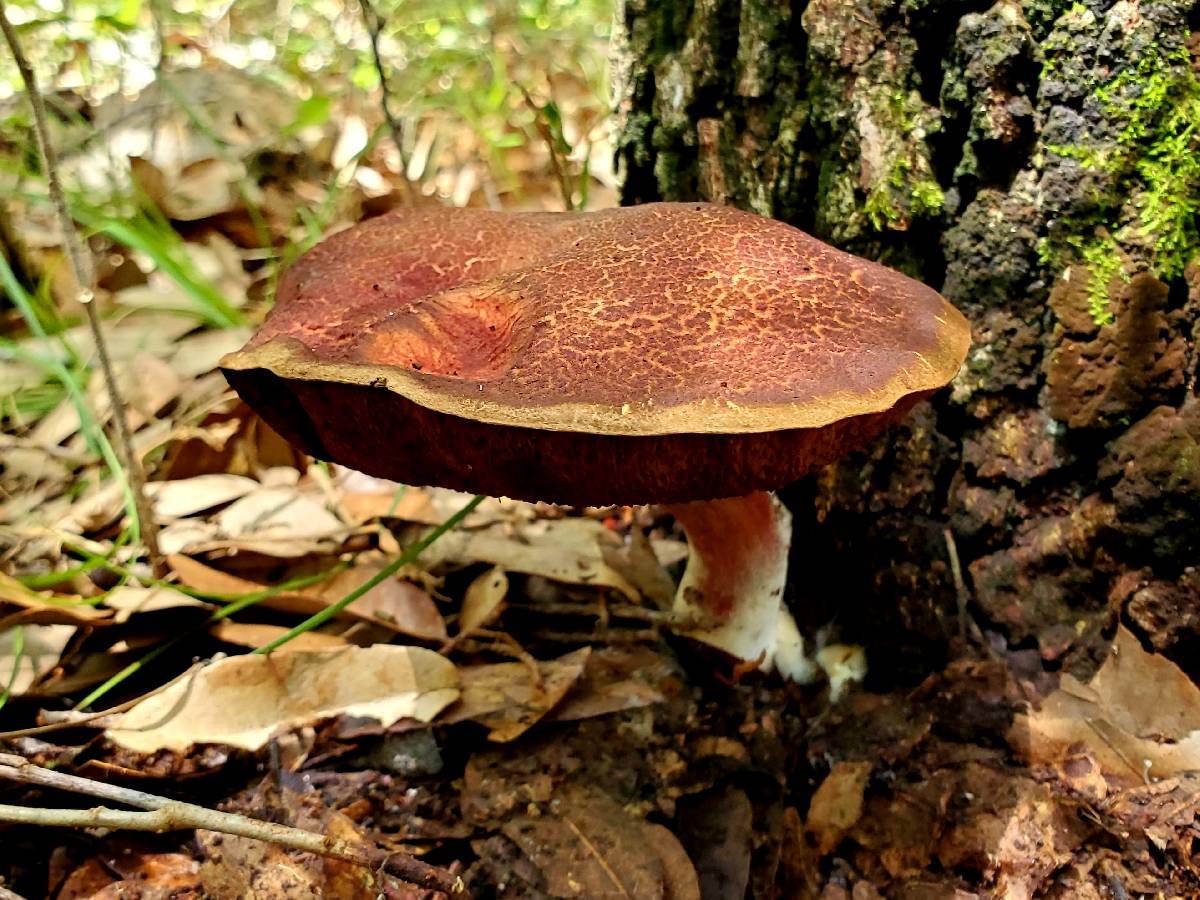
(736, 574)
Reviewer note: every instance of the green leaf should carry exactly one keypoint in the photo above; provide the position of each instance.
(310, 112)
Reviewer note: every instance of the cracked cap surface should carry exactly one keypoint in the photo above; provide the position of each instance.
(657, 321)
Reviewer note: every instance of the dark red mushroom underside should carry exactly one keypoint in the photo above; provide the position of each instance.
(384, 434)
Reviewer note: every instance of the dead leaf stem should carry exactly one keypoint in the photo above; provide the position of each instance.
(374, 24)
(603, 863)
(161, 814)
(84, 274)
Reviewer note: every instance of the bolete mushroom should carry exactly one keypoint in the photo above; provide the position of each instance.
(684, 354)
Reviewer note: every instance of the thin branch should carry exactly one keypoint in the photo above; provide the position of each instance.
(374, 24)
(163, 814)
(84, 275)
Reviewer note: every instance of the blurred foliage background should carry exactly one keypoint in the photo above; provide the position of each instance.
(267, 124)
(203, 146)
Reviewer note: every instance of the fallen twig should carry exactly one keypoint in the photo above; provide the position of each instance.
(161, 814)
(84, 275)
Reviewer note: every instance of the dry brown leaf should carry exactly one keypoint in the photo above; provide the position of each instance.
(154, 333)
(563, 550)
(397, 605)
(636, 560)
(148, 384)
(591, 848)
(97, 508)
(281, 521)
(42, 647)
(200, 352)
(85, 881)
(837, 804)
(504, 698)
(366, 497)
(400, 606)
(24, 465)
(239, 868)
(253, 635)
(680, 881)
(230, 439)
(483, 601)
(206, 187)
(616, 679)
(189, 536)
(1139, 717)
(188, 496)
(242, 701)
(44, 607)
(130, 599)
(153, 875)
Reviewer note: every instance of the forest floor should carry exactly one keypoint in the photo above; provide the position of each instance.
(513, 709)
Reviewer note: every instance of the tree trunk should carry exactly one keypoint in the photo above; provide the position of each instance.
(1037, 161)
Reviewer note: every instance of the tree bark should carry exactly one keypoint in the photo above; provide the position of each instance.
(1038, 162)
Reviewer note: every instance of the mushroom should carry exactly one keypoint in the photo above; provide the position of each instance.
(685, 354)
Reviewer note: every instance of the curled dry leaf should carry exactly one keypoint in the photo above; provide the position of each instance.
(188, 496)
(282, 521)
(199, 353)
(483, 601)
(505, 698)
(255, 635)
(637, 561)
(366, 497)
(40, 648)
(1139, 717)
(591, 847)
(837, 804)
(230, 439)
(563, 550)
(243, 700)
(126, 873)
(615, 679)
(44, 607)
(397, 605)
(131, 599)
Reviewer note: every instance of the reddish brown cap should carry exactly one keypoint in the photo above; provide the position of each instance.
(667, 352)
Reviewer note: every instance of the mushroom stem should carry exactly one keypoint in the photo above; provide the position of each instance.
(736, 573)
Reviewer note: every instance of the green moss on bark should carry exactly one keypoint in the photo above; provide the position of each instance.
(1145, 160)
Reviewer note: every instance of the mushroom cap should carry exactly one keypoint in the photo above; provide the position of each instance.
(666, 352)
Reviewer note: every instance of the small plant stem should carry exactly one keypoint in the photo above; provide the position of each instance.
(557, 162)
(163, 814)
(407, 557)
(84, 275)
(374, 25)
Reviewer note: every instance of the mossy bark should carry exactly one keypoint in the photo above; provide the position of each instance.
(1038, 162)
